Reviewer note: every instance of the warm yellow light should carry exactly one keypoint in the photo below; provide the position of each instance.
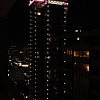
(87, 67)
(13, 99)
(87, 53)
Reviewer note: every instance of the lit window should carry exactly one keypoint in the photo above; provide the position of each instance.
(65, 12)
(47, 29)
(64, 83)
(64, 21)
(48, 57)
(64, 61)
(47, 93)
(47, 24)
(76, 30)
(47, 98)
(81, 54)
(47, 84)
(64, 74)
(47, 89)
(48, 11)
(38, 13)
(26, 96)
(64, 43)
(47, 47)
(64, 91)
(47, 52)
(47, 19)
(78, 38)
(47, 66)
(64, 30)
(8, 74)
(64, 52)
(65, 8)
(86, 67)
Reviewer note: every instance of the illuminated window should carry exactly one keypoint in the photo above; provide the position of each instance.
(76, 30)
(78, 38)
(48, 57)
(86, 67)
(38, 13)
(81, 54)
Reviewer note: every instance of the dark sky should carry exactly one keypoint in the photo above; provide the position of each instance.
(82, 12)
(18, 23)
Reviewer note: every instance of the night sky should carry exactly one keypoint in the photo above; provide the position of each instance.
(81, 12)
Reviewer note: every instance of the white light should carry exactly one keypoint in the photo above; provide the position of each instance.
(78, 38)
(47, 71)
(64, 83)
(47, 80)
(25, 65)
(47, 47)
(64, 43)
(47, 89)
(47, 29)
(47, 24)
(64, 52)
(39, 13)
(76, 30)
(35, 82)
(64, 16)
(64, 30)
(35, 74)
(35, 21)
(35, 95)
(64, 39)
(64, 74)
(64, 21)
(47, 19)
(8, 74)
(47, 98)
(35, 90)
(64, 91)
(65, 12)
(35, 65)
(47, 93)
(47, 84)
(64, 61)
(47, 66)
(47, 15)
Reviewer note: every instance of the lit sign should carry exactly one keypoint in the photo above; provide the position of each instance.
(32, 1)
(58, 2)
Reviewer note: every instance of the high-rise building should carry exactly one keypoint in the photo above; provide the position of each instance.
(48, 24)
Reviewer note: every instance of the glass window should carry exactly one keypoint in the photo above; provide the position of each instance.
(81, 54)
